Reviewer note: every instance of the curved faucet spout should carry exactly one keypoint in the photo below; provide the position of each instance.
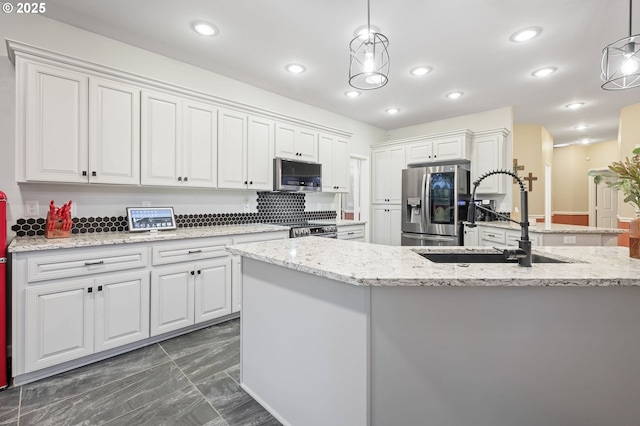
(524, 243)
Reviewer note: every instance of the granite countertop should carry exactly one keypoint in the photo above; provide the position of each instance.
(24, 244)
(554, 228)
(338, 222)
(378, 265)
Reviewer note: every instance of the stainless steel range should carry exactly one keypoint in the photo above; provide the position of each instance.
(305, 229)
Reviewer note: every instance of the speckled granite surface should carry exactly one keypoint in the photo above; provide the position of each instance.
(378, 265)
(24, 244)
(555, 228)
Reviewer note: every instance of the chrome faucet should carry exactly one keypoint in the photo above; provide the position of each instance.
(523, 254)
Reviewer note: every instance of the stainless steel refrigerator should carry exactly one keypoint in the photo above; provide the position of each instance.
(434, 204)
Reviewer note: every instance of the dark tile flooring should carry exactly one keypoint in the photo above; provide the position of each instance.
(189, 380)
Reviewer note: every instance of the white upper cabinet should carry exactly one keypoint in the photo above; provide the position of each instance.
(333, 154)
(387, 166)
(54, 122)
(438, 148)
(245, 146)
(77, 128)
(114, 132)
(260, 145)
(296, 143)
(179, 140)
(489, 153)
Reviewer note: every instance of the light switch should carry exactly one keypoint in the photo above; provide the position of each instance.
(570, 240)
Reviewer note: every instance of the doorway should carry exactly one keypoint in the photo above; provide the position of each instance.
(352, 201)
(603, 203)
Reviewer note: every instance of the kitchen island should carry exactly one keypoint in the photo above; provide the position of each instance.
(340, 333)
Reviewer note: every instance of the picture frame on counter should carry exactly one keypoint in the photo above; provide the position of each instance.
(144, 219)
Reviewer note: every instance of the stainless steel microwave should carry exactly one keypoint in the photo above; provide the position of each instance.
(298, 176)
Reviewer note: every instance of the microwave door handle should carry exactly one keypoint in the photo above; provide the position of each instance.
(426, 182)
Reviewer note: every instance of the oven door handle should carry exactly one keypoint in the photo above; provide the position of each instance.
(327, 235)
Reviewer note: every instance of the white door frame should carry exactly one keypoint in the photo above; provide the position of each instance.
(592, 195)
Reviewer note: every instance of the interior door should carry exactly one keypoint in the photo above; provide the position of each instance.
(606, 206)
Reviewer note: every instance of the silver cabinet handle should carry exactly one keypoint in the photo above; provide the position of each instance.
(93, 263)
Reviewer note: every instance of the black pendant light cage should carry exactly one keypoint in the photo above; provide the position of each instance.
(369, 59)
(621, 61)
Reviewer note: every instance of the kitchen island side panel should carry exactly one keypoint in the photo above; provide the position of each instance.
(521, 356)
(304, 346)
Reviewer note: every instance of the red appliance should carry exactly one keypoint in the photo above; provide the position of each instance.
(3, 289)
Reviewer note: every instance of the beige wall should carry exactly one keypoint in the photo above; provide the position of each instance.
(533, 148)
(570, 187)
(628, 139)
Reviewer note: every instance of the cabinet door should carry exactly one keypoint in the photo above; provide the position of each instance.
(199, 145)
(260, 153)
(122, 309)
(420, 152)
(171, 298)
(59, 323)
(212, 289)
(56, 132)
(114, 132)
(448, 149)
(161, 143)
(471, 236)
(236, 284)
(307, 145)
(380, 170)
(395, 225)
(341, 165)
(380, 225)
(232, 147)
(396, 165)
(325, 157)
(285, 143)
(489, 154)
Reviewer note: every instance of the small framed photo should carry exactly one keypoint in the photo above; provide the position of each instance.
(150, 219)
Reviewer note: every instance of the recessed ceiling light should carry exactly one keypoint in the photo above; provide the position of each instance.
(454, 95)
(584, 140)
(352, 94)
(421, 70)
(574, 105)
(581, 127)
(392, 110)
(295, 68)
(204, 28)
(543, 72)
(364, 30)
(526, 34)
(560, 145)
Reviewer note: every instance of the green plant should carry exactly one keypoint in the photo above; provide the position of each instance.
(626, 178)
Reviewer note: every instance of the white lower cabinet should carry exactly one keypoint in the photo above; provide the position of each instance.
(352, 232)
(387, 228)
(70, 320)
(183, 295)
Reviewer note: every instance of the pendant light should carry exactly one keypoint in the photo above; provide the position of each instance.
(369, 64)
(621, 62)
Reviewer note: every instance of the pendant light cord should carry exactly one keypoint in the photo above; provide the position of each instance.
(369, 19)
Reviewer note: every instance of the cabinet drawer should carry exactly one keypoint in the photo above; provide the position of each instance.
(78, 263)
(261, 236)
(163, 254)
(493, 235)
(351, 233)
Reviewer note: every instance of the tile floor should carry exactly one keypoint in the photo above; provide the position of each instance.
(188, 380)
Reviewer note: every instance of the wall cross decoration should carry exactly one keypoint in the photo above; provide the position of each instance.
(516, 167)
(530, 179)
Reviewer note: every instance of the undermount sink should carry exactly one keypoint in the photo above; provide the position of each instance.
(483, 258)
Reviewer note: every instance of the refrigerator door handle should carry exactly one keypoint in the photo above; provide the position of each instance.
(426, 181)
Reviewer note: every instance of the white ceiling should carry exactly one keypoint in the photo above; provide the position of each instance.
(465, 41)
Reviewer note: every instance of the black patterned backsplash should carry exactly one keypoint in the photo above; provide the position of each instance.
(273, 207)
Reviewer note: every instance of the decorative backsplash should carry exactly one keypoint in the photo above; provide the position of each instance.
(273, 207)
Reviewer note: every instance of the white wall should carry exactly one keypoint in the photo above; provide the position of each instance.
(111, 200)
